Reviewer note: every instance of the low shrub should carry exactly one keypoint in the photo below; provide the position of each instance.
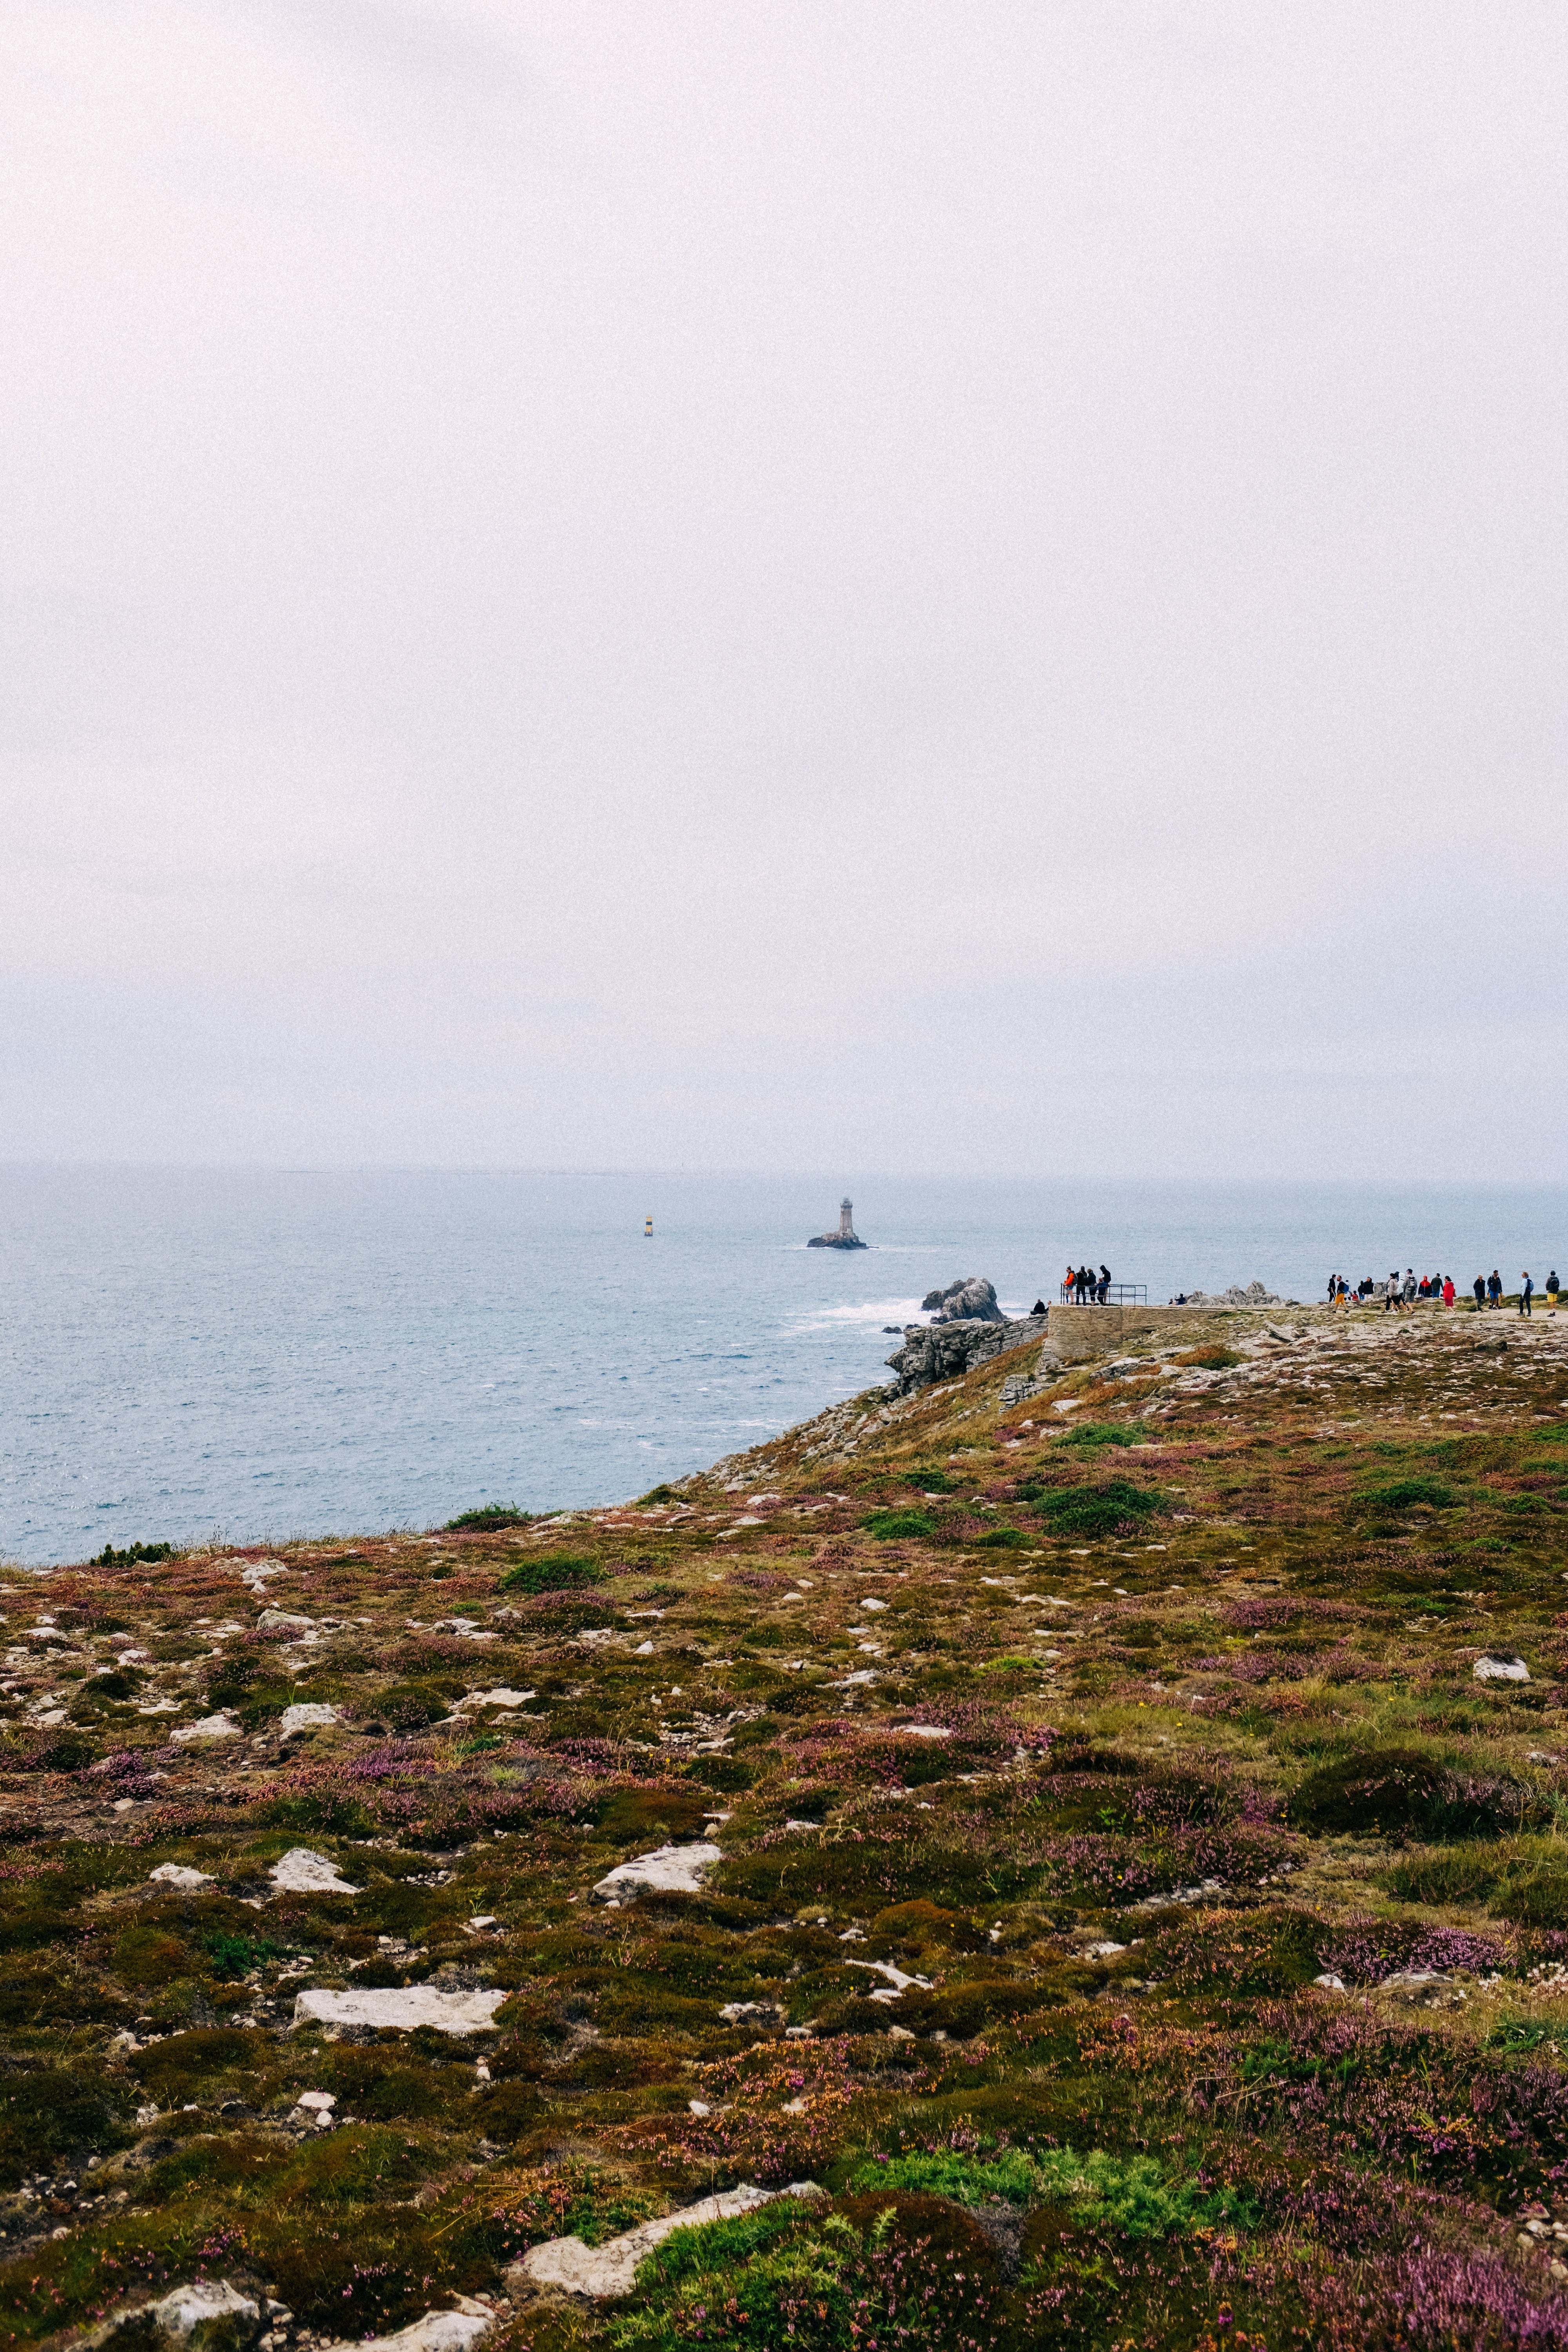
(891, 1527)
(1398, 1792)
(551, 1571)
(488, 1519)
(1097, 1510)
(1107, 1433)
(110, 1558)
(1406, 1495)
(873, 2270)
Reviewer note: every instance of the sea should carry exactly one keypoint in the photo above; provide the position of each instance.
(250, 1356)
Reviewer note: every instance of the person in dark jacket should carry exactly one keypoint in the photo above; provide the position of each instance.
(1494, 1288)
(1551, 1286)
(1479, 1287)
(1526, 1292)
(1080, 1285)
(1104, 1289)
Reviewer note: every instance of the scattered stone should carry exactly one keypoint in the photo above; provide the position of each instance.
(1329, 1983)
(300, 1871)
(1503, 1667)
(174, 1874)
(668, 1870)
(279, 1620)
(602, 2272)
(211, 1726)
(399, 2011)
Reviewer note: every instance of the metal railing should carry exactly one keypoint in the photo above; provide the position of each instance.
(1118, 1294)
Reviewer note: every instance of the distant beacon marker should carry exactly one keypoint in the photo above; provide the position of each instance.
(647, 1229)
(846, 1237)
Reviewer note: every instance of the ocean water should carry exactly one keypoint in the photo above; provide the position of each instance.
(260, 1355)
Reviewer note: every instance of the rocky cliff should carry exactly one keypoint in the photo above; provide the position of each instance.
(945, 1351)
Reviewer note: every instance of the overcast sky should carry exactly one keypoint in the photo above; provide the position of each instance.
(698, 583)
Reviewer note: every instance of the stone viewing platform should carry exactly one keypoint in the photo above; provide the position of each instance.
(1077, 1333)
(846, 1238)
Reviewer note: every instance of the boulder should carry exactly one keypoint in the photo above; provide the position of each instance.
(972, 1299)
(399, 2010)
(206, 2316)
(211, 1726)
(174, 1874)
(300, 1871)
(1500, 1667)
(309, 1716)
(609, 2270)
(434, 2331)
(668, 1870)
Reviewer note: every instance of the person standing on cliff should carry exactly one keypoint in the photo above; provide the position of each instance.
(1448, 1290)
(1390, 1294)
(1104, 1290)
(1479, 1287)
(1494, 1288)
(1526, 1292)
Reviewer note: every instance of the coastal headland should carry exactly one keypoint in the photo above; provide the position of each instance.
(1085, 1824)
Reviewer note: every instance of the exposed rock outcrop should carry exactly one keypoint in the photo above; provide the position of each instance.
(1255, 1295)
(945, 1351)
(972, 1299)
(575, 2268)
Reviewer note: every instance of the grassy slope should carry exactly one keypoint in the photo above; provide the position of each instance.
(1232, 1653)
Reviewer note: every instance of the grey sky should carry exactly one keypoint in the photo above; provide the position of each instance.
(737, 585)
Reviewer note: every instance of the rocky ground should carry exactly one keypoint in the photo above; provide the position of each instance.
(1161, 1941)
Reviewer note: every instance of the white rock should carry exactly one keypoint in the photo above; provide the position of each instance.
(669, 1869)
(898, 1982)
(924, 1731)
(436, 2331)
(1330, 1983)
(211, 1726)
(300, 1871)
(1506, 1668)
(174, 1874)
(1106, 1951)
(854, 1682)
(185, 2312)
(326, 2099)
(401, 2011)
(307, 1716)
(279, 1620)
(643, 1650)
(875, 1604)
(609, 2270)
(502, 1697)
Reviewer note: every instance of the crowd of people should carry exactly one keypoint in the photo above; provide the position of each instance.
(1084, 1288)
(1399, 1293)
